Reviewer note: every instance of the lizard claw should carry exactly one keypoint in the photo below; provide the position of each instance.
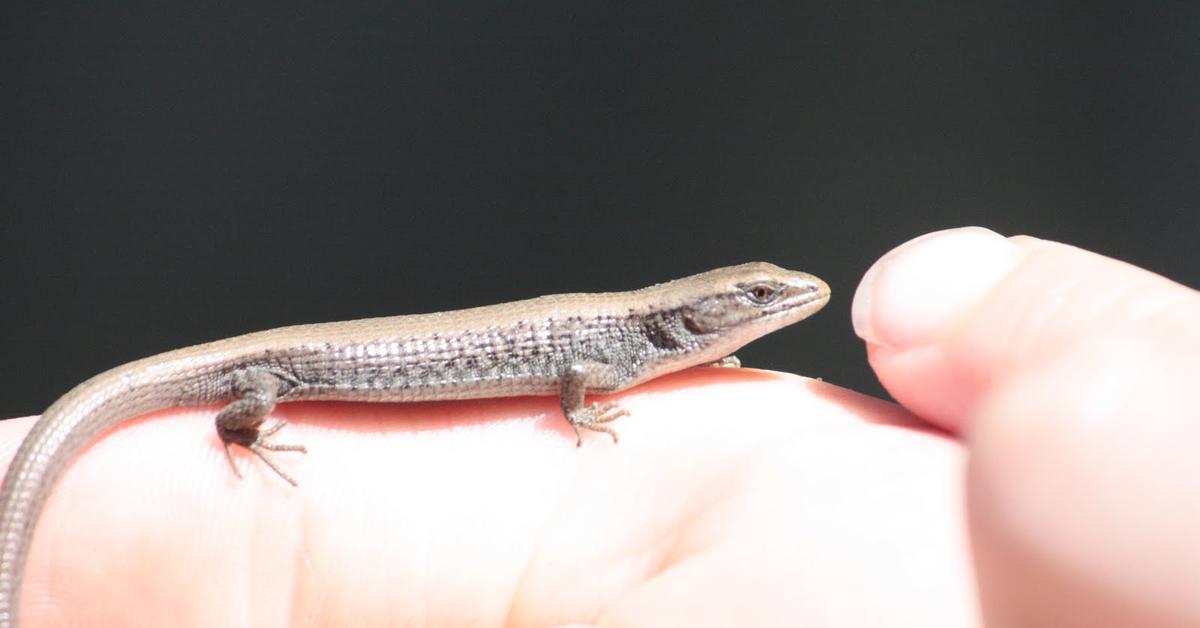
(259, 446)
(594, 417)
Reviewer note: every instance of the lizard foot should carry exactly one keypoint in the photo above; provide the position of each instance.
(259, 446)
(594, 417)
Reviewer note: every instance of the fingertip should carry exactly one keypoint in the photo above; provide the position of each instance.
(909, 295)
(951, 315)
(910, 299)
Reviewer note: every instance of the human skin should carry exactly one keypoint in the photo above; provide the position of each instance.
(1040, 470)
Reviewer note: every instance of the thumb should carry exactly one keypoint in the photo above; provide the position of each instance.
(1071, 376)
(950, 316)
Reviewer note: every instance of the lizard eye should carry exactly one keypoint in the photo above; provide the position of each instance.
(761, 293)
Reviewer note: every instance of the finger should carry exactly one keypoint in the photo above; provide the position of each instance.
(1071, 375)
(1084, 489)
(952, 315)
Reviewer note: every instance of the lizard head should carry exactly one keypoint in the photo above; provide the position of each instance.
(741, 303)
(706, 317)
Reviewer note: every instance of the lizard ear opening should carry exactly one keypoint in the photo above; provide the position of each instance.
(711, 316)
(693, 325)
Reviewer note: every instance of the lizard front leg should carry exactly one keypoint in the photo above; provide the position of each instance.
(575, 382)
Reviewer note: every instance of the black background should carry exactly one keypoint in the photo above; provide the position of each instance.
(175, 173)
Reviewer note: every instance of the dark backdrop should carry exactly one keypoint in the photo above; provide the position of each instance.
(174, 173)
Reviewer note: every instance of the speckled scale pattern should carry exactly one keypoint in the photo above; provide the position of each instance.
(524, 357)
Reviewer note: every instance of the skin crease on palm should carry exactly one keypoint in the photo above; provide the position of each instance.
(1041, 470)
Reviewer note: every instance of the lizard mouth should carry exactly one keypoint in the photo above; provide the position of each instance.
(805, 295)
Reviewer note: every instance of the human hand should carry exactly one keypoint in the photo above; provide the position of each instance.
(736, 497)
(1069, 378)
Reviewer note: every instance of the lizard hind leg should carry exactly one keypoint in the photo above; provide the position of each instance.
(241, 421)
